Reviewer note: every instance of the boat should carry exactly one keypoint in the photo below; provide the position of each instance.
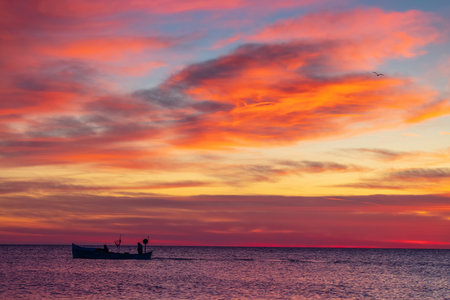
(101, 253)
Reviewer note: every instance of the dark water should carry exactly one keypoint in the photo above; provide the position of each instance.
(49, 272)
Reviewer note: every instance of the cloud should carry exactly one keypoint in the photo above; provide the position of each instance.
(318, 166)
(422, 173)
(219, 220)
(274, 170)
(430, 179)
(251, 97)
(437, 157)
(31, 187)
(85, 8)
(58, 75)
(48, 88)
(166, 98)
(140, 69)
(102, 8)
(275, 91)
(383, 154)
(107, 144)
(379, 34)
(430, 110)
(374, 185)
(108, 48)
(286, 89)
(282, 94)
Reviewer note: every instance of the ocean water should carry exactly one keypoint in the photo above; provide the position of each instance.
(50, 272)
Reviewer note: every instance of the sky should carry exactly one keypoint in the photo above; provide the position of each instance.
(225, 123)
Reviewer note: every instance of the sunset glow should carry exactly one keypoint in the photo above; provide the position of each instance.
(234, 123)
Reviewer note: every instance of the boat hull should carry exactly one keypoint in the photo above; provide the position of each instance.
(96, 253)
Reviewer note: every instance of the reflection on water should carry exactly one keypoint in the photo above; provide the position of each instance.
(224, 273)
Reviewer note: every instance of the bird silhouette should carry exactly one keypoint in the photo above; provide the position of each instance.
(378, 74)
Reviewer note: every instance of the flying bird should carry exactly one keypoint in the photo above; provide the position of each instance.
(378, 74)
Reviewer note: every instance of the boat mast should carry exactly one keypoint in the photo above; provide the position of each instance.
(118, 242)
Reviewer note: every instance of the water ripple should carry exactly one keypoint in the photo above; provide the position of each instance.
(49, 272)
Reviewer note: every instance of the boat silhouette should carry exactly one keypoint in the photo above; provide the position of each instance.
(103, 253)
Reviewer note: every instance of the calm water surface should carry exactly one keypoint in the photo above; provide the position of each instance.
(49, 272)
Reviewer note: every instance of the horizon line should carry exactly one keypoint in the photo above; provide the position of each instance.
(243, 246)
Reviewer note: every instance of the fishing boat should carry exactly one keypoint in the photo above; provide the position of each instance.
(101, 253)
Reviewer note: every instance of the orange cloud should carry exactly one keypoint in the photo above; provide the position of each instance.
(106, 48)
(431, 110)
(282, 93)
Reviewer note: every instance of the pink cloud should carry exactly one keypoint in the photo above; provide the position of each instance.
(139, 69)
(106, 48)
(83, 8)
(362, 221)
(371, 35)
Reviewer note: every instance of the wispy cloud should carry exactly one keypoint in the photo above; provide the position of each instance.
(422, 173)
(383, 154)
(430, 179)
(65, 186)
(246, 173)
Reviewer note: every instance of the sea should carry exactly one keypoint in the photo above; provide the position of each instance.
(50, 272)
